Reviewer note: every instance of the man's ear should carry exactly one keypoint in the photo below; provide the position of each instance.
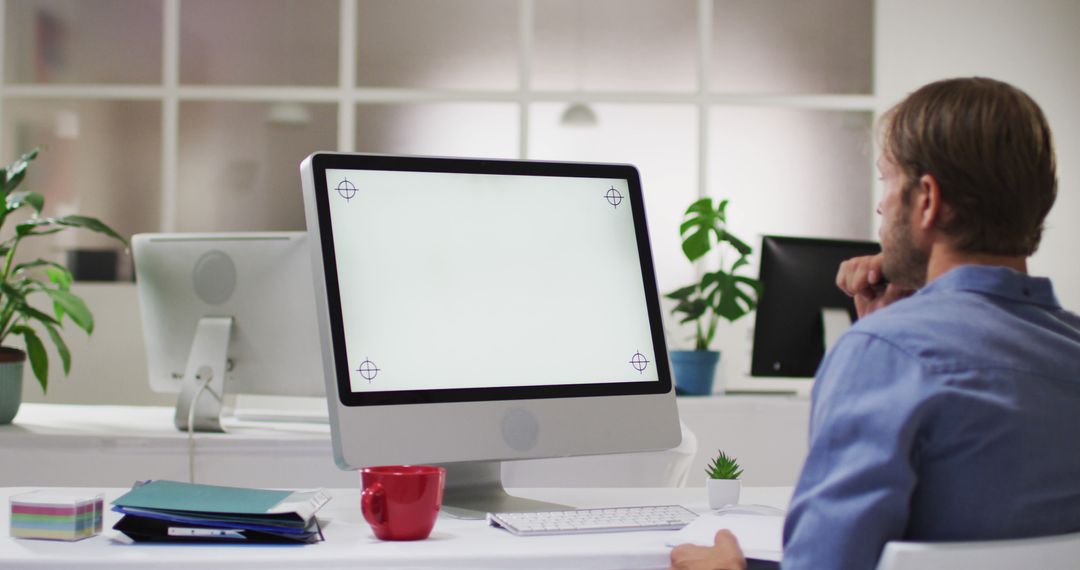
(928, 205)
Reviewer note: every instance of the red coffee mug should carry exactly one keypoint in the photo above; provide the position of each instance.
(401, 502)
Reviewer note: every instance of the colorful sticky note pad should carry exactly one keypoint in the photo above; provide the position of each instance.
(56, 515)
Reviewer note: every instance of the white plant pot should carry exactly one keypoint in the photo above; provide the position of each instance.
(723, 492)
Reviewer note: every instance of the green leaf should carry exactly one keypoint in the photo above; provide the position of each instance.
(13, 292)
(71, 305)
(28, 265)
(723, 466)
(29, 227)
(725, 296)
(33, 313)
(681, 294)
(31, 231)
(701, 224)
(26, 228)
(61, 347)
(92, 224)
(35, 351)
(59, 275)
(693, 309)
(16, 171)
(13, 180)
(754, 284)
(16, 200)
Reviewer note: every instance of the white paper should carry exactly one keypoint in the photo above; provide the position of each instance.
(759, 535)
(303, 503)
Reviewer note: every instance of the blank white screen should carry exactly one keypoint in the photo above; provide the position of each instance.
(452, 280)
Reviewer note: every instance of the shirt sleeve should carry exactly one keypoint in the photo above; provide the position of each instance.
(854, 491)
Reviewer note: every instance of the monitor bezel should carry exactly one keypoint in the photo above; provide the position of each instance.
(321, 162)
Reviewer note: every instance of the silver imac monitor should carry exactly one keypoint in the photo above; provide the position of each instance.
(227, 313)
(478, 311)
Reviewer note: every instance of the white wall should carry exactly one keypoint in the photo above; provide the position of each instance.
(107, 367)
(1033, 44)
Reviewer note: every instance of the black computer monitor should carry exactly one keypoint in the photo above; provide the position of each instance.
(798, 278)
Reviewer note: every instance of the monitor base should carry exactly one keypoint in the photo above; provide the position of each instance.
(474, 488)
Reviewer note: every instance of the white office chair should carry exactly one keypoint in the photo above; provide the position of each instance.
(1061, 552)
(668, 468)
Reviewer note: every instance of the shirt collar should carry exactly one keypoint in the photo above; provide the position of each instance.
(997, 281)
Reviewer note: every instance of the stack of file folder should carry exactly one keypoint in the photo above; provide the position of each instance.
(169, 511)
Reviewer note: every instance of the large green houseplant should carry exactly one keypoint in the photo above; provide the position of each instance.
(719, 294)
(24, 281)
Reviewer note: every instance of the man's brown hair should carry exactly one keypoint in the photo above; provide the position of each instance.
(989, 147)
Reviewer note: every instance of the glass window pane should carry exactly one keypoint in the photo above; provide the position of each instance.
(259, 42)
(441, 129)
(103, 159)
(240, 163)
(666, 159)
(781, 46)
(442, 44)
(818, 164)
(74, 41)
(612, 45)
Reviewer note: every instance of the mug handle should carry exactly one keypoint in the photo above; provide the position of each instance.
(373, 505)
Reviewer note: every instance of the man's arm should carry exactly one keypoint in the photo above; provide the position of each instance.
(853, 494)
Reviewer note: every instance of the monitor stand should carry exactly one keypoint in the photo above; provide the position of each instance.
(199, 408)
(474, 488)
(835, 322)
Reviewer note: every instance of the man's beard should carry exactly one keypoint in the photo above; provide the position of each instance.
(904, 264)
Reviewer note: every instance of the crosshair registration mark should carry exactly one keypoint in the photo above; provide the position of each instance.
(613, 197)
(639, 362)
(346, 189)
(368, 370)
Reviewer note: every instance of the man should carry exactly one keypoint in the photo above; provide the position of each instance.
(952, 411)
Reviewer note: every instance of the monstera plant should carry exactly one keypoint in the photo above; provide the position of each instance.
(29, 288)
(719, 294)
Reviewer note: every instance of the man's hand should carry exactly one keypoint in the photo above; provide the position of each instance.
(861, 278)
(724, 554)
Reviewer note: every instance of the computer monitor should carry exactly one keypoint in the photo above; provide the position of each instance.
(233, 311)
(476, 311)
(799, 303)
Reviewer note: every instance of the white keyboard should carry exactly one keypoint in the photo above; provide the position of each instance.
(575, 521)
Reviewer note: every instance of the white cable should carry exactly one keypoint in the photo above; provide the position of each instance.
(191, 427)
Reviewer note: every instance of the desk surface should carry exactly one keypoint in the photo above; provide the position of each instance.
(350, 543)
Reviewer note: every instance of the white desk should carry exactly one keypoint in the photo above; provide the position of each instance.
(112, 446)
(350, 543)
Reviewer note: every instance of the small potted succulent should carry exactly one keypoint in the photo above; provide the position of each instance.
(720, 294)
(22, 282)
(723, 484)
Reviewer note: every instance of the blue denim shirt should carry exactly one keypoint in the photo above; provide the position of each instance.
(951, 415)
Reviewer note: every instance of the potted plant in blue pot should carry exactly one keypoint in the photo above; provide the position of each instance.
(21, 282)
(720, 294)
